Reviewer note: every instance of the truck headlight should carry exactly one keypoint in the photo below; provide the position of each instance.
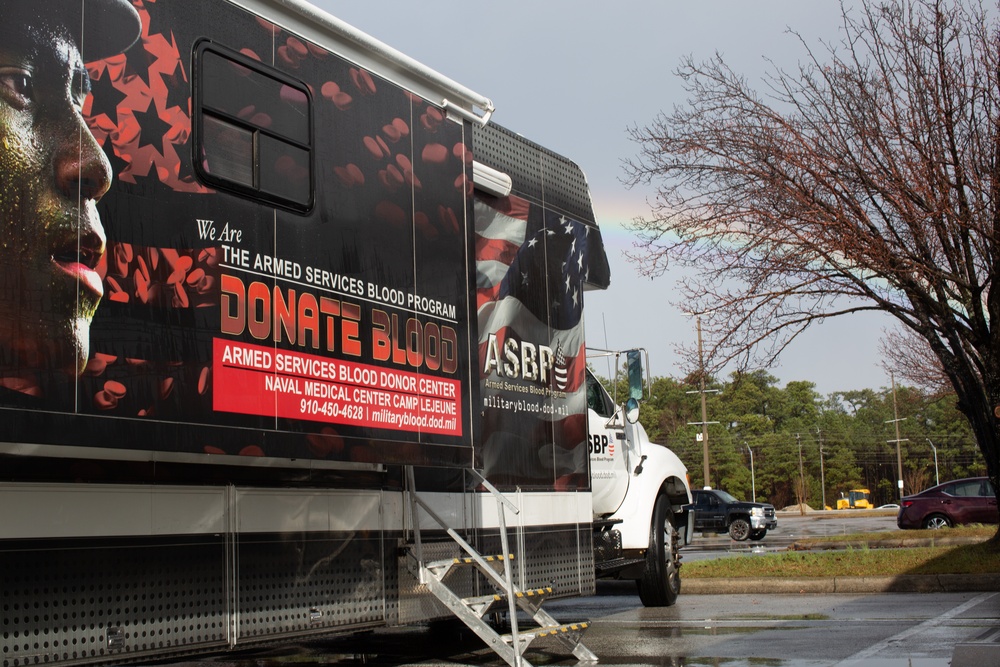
(756, 511)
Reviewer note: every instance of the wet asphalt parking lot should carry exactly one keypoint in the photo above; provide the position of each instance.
(882, 630)
(787, 630)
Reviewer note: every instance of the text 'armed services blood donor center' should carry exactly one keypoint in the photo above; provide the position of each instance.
(251, 379)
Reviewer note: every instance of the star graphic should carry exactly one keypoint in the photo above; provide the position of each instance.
(177, 89)
(153, 129)
(139, 62)
(106, 98)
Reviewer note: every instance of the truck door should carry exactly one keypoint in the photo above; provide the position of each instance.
(708, 511)
(716, 517)
(706, 514)
(608, 454)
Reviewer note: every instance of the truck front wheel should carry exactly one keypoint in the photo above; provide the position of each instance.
(739, 529)
(660, 583)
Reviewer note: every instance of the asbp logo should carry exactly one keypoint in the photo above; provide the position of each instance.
(601, 445)
(522, 360)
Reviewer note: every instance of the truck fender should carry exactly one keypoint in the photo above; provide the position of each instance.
(662, 472)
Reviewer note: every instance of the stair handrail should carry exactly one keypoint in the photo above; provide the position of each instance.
(507, 582)
(503, 501)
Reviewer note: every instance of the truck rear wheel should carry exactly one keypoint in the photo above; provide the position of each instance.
(660, 583)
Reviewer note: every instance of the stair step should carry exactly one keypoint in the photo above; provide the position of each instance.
(441, 567)
(534, 592)
(528, 634)
(480, 605)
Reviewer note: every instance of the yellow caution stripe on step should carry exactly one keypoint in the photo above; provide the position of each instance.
(535, 592)
(489, 559)
(572, 627)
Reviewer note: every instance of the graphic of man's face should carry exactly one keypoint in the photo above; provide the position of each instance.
(52, 172)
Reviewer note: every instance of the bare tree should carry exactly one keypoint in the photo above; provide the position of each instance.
(866, 179)
(913, 361)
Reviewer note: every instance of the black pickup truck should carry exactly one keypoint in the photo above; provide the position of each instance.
(716, 511)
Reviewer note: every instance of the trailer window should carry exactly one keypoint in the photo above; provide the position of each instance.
(254, 129)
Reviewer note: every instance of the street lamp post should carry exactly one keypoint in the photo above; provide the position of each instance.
(802, 480)
(753, 483)
(895, 421)
(936, 480)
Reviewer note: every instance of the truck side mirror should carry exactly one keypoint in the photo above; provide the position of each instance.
(633, 363)
(632, 410)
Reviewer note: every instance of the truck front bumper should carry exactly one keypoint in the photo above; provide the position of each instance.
(758, 522)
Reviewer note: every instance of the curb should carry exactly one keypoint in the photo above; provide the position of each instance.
(907, 583)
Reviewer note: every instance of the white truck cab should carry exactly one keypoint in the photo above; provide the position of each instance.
(640, 489)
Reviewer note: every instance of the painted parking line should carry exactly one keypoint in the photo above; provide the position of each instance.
(863, 657)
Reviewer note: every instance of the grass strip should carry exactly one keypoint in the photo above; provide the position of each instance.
(850, 562)
(894, 537)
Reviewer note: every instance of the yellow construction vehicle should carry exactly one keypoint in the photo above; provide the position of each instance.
(855, 499)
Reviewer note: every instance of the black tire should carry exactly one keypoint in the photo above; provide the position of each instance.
(757, 535)
(936, 521)
(739, 529)
(660, 583)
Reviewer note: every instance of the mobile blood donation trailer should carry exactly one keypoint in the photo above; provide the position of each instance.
(291, 343)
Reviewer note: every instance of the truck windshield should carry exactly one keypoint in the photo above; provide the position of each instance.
(727, 497)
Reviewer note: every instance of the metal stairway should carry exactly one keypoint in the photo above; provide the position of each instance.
(497, 570)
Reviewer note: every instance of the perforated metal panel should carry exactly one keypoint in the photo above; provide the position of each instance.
(557, 556)
(82, 604)
(537, 173)
(71, 603)
(416, 604)
(296, 585)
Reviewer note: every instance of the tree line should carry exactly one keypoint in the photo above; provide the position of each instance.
(865, 178)
(804, 445)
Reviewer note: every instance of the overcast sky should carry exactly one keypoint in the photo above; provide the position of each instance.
(573, 76)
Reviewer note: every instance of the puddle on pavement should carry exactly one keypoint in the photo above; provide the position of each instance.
(423, 649)
(689, 631)
(777, 617)
(485, 659)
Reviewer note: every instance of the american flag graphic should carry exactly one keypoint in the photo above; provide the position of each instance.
(531, 265)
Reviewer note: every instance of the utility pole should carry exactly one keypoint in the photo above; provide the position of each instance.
(896, 420)
(704, 408)
(822, 474)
